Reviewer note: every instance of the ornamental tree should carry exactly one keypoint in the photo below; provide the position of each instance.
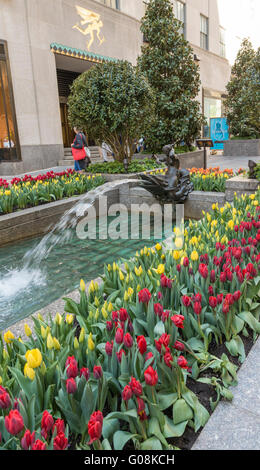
(113, 103)
(167, 59)
(242, 107)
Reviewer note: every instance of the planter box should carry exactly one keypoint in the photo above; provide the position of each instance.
(187, 160)
(242, 148)
(240, 185)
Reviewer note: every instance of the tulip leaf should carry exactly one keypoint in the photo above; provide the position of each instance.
(172, 430)
(121, 438)
(165, 401)
(151, 444)
(250, 320)
(181, 411)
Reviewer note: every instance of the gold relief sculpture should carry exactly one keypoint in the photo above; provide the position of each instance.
(92, 22)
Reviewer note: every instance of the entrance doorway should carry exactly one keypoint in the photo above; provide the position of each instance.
(67, 133)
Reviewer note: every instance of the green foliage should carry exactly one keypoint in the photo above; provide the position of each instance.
(112, 103)
(168, 63)
(242, 104)
(136, 166)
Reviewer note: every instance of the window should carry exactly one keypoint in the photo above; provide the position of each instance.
(212, 109)
(179, 12)
(204, 32)
(111, 3)
(222, 40)
(8, 130)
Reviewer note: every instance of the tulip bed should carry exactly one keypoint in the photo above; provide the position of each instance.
(211, 179)
(31, 192)
(116, 369)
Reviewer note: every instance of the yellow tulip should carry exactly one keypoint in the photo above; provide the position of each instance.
(34, 358)
(58, 319)
(194, 256)
(126, 296)
(1, 380)
(176, 255)
(76, 343)
(158, 247)
(96, 302)
(109, 268)
(130, 291)
(69, 319)
(56, 344)
(82, 285)
(50, 344)
(121, 276)
(110, 307)
(138, 271)
(9, 337)
(27, 330)
(29, 372)
(91, 344)
(160, 269)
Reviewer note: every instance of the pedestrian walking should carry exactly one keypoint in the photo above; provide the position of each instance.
(80, 151)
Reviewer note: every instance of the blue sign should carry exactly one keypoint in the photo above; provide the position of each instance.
(219, 131)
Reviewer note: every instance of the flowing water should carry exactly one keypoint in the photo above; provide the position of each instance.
(35, 272)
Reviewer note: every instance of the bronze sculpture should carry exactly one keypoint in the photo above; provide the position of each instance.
(252, 166)
(174, 185)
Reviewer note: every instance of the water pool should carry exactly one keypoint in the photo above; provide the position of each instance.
(25, 290)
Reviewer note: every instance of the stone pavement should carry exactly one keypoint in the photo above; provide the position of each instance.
(236, 425)
(230, 162)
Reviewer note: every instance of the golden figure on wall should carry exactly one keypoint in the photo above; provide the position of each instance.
(92, 22)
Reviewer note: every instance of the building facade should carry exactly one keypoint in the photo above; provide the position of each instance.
(45, 45)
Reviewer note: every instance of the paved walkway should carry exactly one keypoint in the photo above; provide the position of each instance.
(230, 162)
(236, 425)
(213, 161)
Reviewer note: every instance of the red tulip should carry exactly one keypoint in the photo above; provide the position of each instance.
(109, 348)
(213, 302)
(109, 325)
(236, 295)
(142, 345)
(186, 300)
(46, 423)
(141, 409)
(119, 355)
(39, 445)
(127, 393)
(71, 367)
(168, 359)
(148, 356)
(158, 309)
(14, 422)
(178, 321)
(186, 262)
(163, 341)
(150, 376)
(71, 385)
(203, 270)
(179, 346)
(60, 442)
(97, 372)
(123, 315)
(85, 372)
(28, 439)
(144, 296)
(5, 401)
(128, 340)
(119, 335)
(95, 425)
(59, 426)
(136, 387)
(197, 308)
(182, 362)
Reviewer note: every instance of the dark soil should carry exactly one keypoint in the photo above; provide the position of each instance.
(205, 392)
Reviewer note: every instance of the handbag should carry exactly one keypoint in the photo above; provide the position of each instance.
(88, 153)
